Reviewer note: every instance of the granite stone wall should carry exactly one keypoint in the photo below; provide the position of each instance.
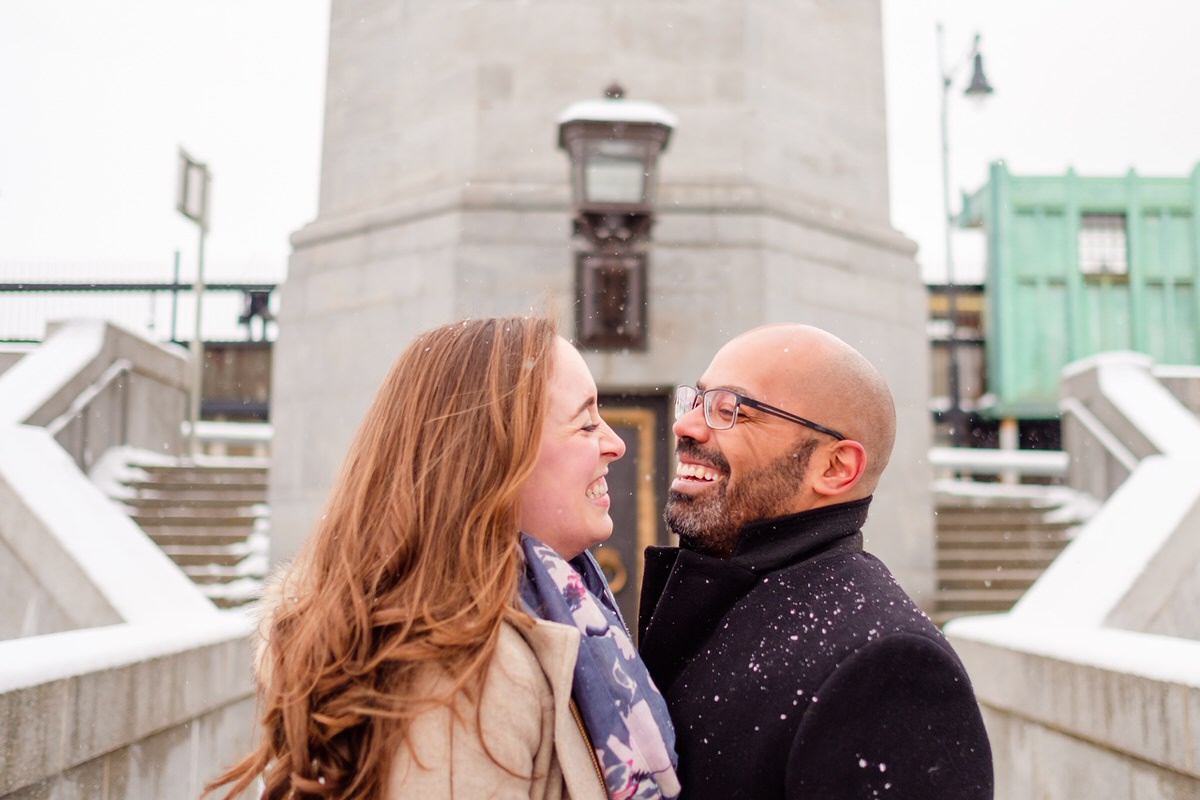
(443, 195)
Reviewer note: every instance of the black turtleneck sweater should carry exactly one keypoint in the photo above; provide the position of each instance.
(798, 668)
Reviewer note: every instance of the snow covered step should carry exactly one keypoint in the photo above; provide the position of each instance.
(987, 578)
(183, 518)
(941, 616)
(209, 574)
(1031, 539)
(194, 475)
(203, 463)
(978, 600)
(993, 519)
(208, 501)
(209, 516)
(190, 479)
(994, 541)
(204, 537)
(186, 555)
(993, 558)
(232, 595)
(984, 519)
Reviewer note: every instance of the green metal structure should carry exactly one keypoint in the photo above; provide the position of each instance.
(1079, 265)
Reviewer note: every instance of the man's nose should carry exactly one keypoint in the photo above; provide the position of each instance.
(692, 425)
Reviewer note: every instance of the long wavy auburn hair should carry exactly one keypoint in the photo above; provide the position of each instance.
(414, 564)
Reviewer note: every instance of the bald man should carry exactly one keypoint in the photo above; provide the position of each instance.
(793, 664)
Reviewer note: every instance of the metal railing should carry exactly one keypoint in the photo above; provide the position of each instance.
(237, 305)
(73, 428)
(93, 386)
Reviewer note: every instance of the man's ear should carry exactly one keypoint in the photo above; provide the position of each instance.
(840, 468)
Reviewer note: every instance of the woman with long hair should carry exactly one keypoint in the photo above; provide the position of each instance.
(444, 631)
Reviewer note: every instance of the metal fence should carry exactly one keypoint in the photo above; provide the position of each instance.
(164, 311)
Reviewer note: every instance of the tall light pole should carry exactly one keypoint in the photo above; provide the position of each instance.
(192, 202)
(978, 88)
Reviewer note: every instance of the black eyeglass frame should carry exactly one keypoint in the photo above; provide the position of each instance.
(749, 401)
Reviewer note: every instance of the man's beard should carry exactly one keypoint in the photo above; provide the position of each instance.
(709, 523)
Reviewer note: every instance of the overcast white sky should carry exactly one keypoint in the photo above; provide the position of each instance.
(96, 97)
(1101, 85)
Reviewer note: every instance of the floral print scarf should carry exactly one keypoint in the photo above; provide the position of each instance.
(625, 716)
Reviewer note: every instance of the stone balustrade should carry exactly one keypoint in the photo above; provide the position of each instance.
(1090, 686)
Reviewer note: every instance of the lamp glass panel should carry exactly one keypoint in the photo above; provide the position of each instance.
(615, 172)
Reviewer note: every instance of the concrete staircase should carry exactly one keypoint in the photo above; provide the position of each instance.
(208, 515)
(993, 542)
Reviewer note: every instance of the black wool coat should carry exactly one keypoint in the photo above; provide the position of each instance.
(798, 668)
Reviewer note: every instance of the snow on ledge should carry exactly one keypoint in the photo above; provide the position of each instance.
(1176, 371)
(28, 384)
(622, 110)
(232, 432)
(1154, 657)
(1122, 566)
(38, 660)
(1121, 696)
(1114, 566)
(1158, 415)
(979, 459)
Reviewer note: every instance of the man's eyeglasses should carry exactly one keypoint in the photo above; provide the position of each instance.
(721, 409)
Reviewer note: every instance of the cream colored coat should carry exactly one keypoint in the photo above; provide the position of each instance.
(528, 724)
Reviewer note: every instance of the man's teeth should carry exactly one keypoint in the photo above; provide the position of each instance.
(696, 471)
(597, 489)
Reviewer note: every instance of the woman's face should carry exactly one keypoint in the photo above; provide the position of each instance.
(565, 501)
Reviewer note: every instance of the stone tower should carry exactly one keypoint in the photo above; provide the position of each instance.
(443, 196)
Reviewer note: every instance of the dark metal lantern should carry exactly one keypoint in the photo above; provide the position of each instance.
(613, 144)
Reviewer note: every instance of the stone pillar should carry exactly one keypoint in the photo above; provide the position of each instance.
(443, 195)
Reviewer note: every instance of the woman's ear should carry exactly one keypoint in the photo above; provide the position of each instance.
(840, 469)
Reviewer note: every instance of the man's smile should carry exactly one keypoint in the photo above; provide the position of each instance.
(696, 473)
(697, 467)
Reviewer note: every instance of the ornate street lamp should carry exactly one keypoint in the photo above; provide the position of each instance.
(979, 88)
(613, 145)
